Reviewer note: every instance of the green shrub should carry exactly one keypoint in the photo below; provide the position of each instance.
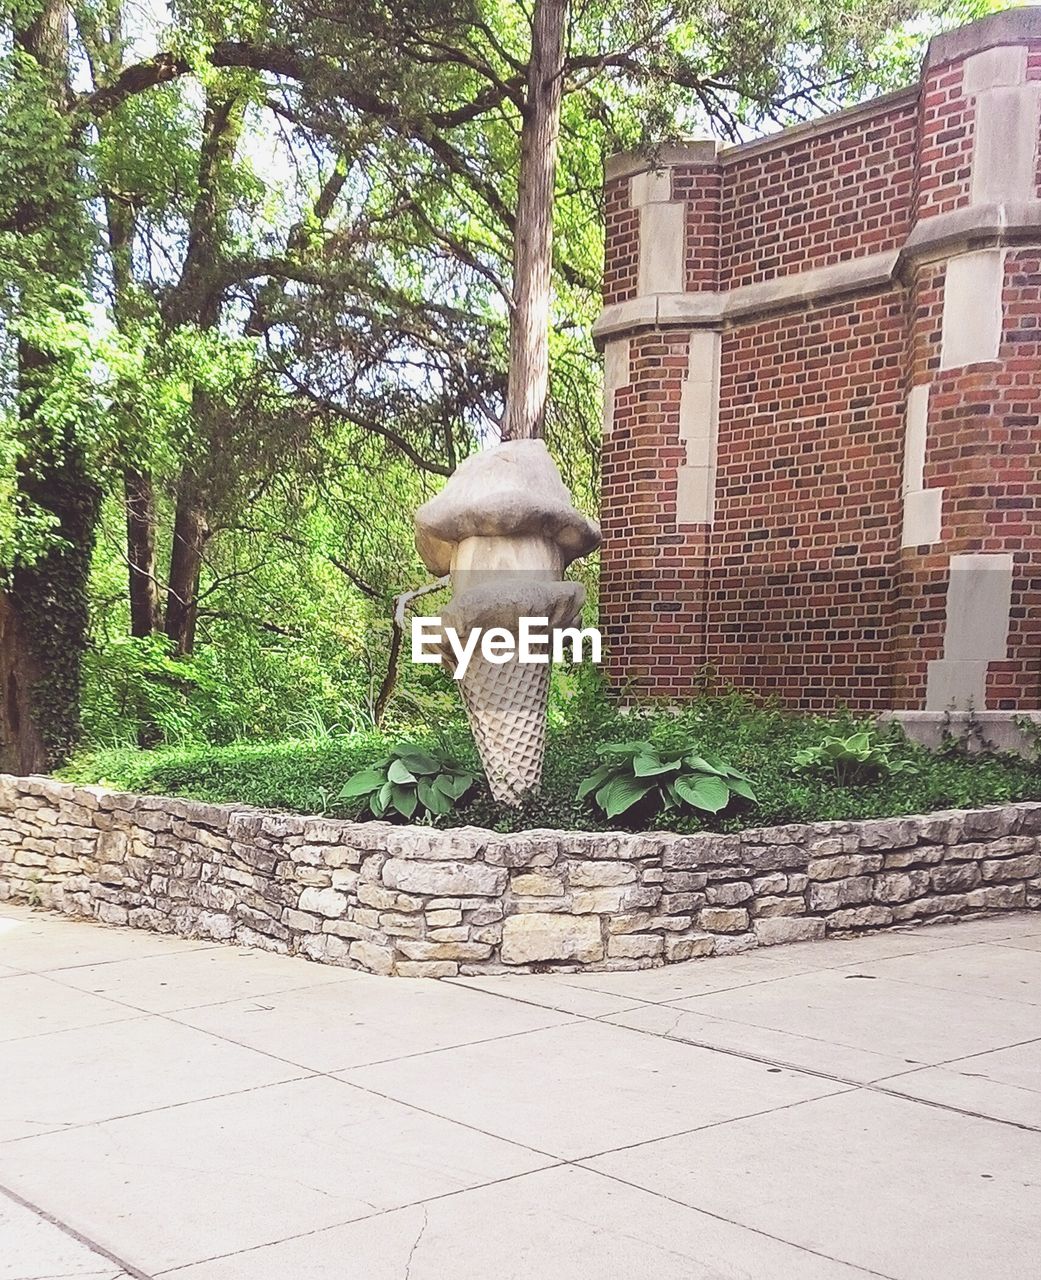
(410, 780)
(854, 759)
(639, 773)
(759, 739)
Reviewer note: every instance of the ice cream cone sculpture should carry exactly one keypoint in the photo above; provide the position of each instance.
(505, 529)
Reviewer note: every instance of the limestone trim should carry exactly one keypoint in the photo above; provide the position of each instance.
(979, 605)
(708, 310)
(1011, 26)
(974, 227)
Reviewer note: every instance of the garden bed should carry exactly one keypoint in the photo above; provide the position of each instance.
(419, 901)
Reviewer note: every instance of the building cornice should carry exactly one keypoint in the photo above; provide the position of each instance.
(943, 236)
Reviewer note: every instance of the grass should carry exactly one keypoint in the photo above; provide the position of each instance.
(305, 776)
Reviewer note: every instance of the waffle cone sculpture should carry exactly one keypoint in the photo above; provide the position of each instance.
(505, 529)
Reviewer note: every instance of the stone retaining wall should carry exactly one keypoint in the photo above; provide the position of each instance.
(425, 903)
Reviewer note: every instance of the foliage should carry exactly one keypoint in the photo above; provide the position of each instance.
(639, 773)
(760, 739)
(853, 759)
(410, 781)
(290, 316)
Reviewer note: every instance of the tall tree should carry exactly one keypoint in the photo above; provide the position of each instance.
(43, 608)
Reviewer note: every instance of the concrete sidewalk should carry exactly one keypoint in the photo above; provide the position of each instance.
(825, 1111)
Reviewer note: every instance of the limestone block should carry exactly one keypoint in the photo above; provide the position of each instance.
(899, 886)
(595, 875)
(723, 919)
(423, 950)
(859, 918)
(367, 954)
(1004, 155)
(729, 895)
(634, 946)
(618, 898)
(972, 311)
(839, 893)
(534, 937)
(426, 968)
(445, 878)
(689, 946)
(1022, 868)
(323, 902)
(533, 885)
(769, 932)
(954, 877)
(840, 868)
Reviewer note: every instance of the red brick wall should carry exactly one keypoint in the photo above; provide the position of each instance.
(823, 199)
(797, 584)
(651, 571)
(806, 534)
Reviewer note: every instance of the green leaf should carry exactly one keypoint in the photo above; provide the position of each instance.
(418, 762)
(740, 786)
(454, 785)
(645, 766)
(398, 773)
(431, 799)
(361, 783)
(702, 764)
(620, 794)
(405, 800)
(595, 779)
(704, 792)
(628, 749)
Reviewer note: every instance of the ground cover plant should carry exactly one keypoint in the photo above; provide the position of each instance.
(760, 741)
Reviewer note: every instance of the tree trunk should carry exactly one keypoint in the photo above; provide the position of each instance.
(196, 301)
(43, 612)
(189, 538)
(528, 385)
(145, 616)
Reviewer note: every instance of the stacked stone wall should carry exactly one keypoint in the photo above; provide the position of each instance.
(418, 902)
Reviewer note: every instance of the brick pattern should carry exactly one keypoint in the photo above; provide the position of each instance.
(650, 568)
(806, 534)
(984, 451)
(700, 187)
(622, 232)
(800, 587)
(830, 197)
(947, 134)
(418, 902)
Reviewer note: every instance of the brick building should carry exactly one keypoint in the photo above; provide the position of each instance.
(822, 434)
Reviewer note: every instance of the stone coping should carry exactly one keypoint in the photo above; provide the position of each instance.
(942, 236)
(426, 902)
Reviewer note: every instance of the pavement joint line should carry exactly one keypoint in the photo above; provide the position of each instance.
(97, 964)
(149, 1111)
(449, 1048)
(78, 1236)
(734, 1222)
(967, 1057)
(714, 1124)
(960, 991)
(209, 1004)
(824, 968)
(368, 1217)
(870, 1086)
(831, 1077)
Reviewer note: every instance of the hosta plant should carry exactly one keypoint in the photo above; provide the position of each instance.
(410, 780)
(858, 758)
(664, 780)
